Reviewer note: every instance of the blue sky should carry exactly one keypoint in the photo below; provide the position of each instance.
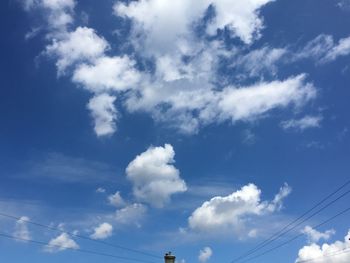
(200, 127)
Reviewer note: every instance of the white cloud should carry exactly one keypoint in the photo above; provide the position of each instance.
(306, 122)
(324, 49)
(277, 202)
(107, 74)
(131, 215)
(251, 102)
(192, 106)
(344, 4)
(100, 190)
(154, 176)
(205, 254)
(230, 213)
(104, 114)
(341, 49)
(165, 23)
(314, 236)
(241, 17)
(83, 44)
(103, 231)
(59, 13)
(60, 243)
(116, 200)
(249, 137)
(21, 229)
(259, 61)
(179, 87)
(183, 91)
(327, 253)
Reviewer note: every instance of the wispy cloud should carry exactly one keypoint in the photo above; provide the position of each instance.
(205, 254)
(302, 124)
(60, 167)
(21, 229)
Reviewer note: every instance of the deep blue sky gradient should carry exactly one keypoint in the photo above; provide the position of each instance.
(42, 115)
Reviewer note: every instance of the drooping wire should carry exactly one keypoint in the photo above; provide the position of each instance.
(296, 237)
(73, 249)
(285, 229)
(80, 236)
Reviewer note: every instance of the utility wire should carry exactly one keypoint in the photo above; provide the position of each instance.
(73, 249)
(297, 236)
(80, 236)
(285, 228)
(304, 220)
(340, 252)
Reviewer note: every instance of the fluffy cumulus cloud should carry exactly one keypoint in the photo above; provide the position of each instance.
(21, 229)
(103, 231)
(104, 114)
(337, 252)
(154, 176)
(116, 200)
(306, 122)
(60, 243)
(251, 102)
(205, 254)
(314, 236)
(230, 213)
(131, 215)
(107, 73)
(83, 44)
(164, 23)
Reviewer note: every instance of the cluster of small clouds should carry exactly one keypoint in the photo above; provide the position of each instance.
(154, 179)
(59, 243)
(181, 90)
(337, 252)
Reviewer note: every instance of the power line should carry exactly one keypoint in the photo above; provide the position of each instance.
(304, 220)
(340, 252)
(73, 249)
(285, 230)
(80, 236)
(297, 236)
